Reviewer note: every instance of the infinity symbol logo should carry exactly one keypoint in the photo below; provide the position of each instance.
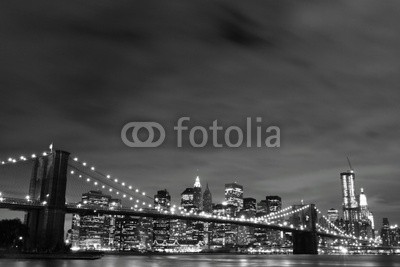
(136, 126)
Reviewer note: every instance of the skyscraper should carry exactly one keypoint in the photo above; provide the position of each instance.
(350, 204)
(187, 199)
(234, 195)
(197, 195)
(162, 200)
(274, 204)
(207, 200)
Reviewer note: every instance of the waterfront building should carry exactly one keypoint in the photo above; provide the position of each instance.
(94, 232)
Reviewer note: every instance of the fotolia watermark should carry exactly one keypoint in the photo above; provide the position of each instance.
(199, 136)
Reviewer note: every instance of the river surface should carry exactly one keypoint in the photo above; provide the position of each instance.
(215, 260)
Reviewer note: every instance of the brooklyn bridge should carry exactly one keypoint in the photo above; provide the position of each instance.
(55, 173)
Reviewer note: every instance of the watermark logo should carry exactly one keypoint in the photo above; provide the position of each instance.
(136, 127)
(199, 136)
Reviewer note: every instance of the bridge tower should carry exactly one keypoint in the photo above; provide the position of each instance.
(48, 185)
(306, 242)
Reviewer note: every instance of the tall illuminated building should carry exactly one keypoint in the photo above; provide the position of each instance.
(367, 227)
(197, 194)
(207, 200)
(234, 195)
(350, 204)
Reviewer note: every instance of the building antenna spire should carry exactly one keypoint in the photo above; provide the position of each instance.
(348, 160)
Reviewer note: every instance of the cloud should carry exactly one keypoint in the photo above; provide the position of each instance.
(326, 73)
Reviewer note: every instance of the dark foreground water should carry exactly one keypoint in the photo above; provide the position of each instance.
(215, 260)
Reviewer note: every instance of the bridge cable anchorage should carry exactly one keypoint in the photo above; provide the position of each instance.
(22, 158)
(115, 180)
(124, 194)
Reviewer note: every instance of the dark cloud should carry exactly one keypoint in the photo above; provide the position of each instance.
(326, 72)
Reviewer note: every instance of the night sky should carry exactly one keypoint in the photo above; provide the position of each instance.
(325, 72)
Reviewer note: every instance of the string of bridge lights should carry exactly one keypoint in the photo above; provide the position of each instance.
(115, 180)
(370, 240)
(110, 189)
(21, 158)
(326, 230)
(333, 225)
(329, 222)
(266, 217)
(109, 177)
(287, 213)
(341, 232)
